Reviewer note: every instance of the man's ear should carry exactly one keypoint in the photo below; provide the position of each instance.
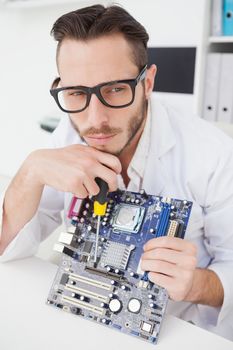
(149, 80)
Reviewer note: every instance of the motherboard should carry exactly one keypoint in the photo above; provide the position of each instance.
(111, 289)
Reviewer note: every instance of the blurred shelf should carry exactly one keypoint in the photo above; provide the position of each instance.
(49, 123)
(221, 39)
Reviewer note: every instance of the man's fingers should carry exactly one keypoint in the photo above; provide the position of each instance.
(169, 255)
(81, 192)
(171, 243)
(91, 186)
(161, 280)
(107, 175)
(108, 160)
(159, 266)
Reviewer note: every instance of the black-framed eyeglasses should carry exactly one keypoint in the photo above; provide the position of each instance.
(114, 94)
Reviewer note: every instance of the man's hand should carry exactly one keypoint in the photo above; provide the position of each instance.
(171, 264)
(69, 169)
(74, 169)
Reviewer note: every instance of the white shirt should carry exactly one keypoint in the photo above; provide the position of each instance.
(178, 156)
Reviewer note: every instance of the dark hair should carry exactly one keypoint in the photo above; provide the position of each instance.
(95, 21)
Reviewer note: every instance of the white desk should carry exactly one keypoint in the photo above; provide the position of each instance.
(27, 323)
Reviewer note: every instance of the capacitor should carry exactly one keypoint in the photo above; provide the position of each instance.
(134, 274)
(104, 305)
(119, 272)
(155, 306)
(83, 298)
(125, 288)
(105, 321)
(134, 305)
(115, 305)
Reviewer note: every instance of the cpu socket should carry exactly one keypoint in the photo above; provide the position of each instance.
(128, 218)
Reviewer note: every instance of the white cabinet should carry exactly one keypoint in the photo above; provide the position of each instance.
(212, 44)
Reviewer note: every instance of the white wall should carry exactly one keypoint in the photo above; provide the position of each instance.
(27, 64)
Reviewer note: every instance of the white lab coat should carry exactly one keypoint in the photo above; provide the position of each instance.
(187, 159)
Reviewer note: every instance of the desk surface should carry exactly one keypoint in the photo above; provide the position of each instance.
(27, 323)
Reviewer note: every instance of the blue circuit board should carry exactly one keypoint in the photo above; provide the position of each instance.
(103, 282)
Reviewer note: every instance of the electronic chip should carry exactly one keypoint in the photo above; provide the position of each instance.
(128, 218)
(146, 327)
(116, 254)
(87, 247)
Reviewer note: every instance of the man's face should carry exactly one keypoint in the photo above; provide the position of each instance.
(93, 62)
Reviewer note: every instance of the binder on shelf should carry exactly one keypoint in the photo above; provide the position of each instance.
(228, 17)
(211, 86)
(225, 105)
(216, 17)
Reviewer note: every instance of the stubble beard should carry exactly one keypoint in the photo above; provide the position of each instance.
(134, 126)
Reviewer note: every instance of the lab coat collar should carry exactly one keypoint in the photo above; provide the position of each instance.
(162, 141)
(162, 135)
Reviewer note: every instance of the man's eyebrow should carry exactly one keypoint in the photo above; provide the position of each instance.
(55, 83)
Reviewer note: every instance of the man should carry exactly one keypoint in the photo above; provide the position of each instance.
(114, 130)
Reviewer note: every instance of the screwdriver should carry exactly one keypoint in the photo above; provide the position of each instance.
(100, 205)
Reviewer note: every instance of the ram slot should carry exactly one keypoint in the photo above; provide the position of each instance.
(91, 282)
(163, 222)
(83, 305)
(87, 293)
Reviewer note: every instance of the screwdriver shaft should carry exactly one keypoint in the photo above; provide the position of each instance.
(97, 238)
